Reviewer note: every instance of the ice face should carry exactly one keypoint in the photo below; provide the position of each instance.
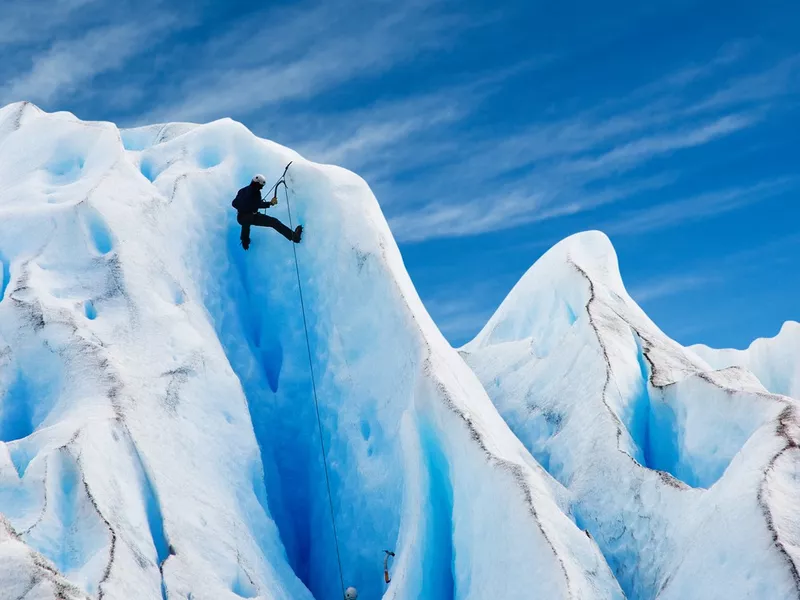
(165, 404)
(161, 437)
(775, 361)
(677, 470)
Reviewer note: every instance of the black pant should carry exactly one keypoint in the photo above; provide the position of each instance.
(261, 220)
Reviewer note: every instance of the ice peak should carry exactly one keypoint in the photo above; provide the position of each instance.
(553, 293)
(774, 360)
(158, 422)
(662, 452)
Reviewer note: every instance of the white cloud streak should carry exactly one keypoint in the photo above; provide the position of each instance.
(27, 21)
(301, 53)
(68, 65)
(781, 80)
(460, 316)
(435, 176)
(486, 213)
(363, 138)
(665, 287)
(631, 154)
(695, 208)
(564, 161)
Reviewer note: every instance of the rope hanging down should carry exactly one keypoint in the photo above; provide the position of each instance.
(282, 180)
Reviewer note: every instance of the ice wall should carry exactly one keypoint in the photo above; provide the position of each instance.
(159, 431)
(682, 473)
(775, 361)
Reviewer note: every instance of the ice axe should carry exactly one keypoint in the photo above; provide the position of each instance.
(282, 180)
(386, 577)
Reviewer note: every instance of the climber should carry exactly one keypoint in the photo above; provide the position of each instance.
(248, 202)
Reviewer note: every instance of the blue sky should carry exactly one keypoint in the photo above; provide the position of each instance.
(487, 130)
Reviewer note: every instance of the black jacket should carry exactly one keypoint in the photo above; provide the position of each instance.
(248, 200)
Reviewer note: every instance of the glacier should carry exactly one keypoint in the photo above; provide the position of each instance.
(158, 428)
(774, 361)
(168, 431)
(685, 474)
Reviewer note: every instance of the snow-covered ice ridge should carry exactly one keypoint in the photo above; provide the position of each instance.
(158, 436)
(158, 433)
(685, 475)
(775, 361)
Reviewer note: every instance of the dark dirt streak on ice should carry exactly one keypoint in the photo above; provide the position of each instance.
(46, 571)
(113, 549)
(44, 504)
(792, 444)
(113, 535)
(514, 470)
(782, 430)
(155, 516)
(241, 566)
(665, 477)
(788, 414)
(178, 377)
(34, 314)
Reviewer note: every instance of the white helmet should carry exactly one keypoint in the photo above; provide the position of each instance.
(351, 593)
(260, 180)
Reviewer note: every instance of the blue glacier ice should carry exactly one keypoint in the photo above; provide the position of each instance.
(159, 432)
(685, 474)
(160, 435)
(775, 361)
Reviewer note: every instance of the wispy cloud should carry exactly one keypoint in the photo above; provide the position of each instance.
(437, 178)
(376, 138)
(68, 65)
(55, 51)
(729, 54)
(781, 250)
(780, 80)
(492, 213)
(571, 162)
(304, 52)
(27, 21)
(633, 153)
(472, 181)
(665, 287)
(550, 170)
(438, 168)
(711, 271)
(695, 208)
(460, 316)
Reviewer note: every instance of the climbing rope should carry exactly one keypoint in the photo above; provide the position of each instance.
(274, 188)
(313, 381)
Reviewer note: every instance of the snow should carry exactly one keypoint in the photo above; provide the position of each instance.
(158, 432)
(683, 474)
(160, 435)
